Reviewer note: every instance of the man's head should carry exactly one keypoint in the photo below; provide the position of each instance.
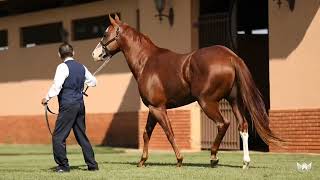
(65, 50)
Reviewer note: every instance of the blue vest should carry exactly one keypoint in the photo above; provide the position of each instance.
(72, 87)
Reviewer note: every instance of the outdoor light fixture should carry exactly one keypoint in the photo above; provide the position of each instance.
(290, 2)
(160, 5)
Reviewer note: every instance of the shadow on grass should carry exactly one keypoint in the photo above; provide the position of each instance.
(24, 154)
(97, 151)
(9, 170)
(184, 164)
(80, 167)
(52, 169)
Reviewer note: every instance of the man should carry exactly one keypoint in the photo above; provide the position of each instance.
(68, 85)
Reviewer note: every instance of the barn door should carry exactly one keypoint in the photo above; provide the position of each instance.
(218, 27)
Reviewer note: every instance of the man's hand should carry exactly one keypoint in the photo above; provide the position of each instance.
(44, 101)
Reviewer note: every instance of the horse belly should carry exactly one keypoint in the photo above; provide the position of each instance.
(179, 98)
(170, 96)
(180, 102)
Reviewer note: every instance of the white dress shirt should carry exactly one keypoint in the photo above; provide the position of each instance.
(62, 73)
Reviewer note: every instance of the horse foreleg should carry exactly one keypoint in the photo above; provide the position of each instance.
(151, 123)
(161, 115)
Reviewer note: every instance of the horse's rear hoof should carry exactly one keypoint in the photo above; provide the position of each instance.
(214, 162)
(245, 165)
(179, 164)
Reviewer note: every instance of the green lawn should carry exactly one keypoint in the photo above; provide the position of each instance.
(36, 162)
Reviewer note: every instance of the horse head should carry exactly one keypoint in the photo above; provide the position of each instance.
(108, 45)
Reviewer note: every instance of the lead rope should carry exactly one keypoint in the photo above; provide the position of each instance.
(46, 109)
(104, 46)
(96, 72)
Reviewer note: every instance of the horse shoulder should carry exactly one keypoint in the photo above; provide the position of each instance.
(151, 88)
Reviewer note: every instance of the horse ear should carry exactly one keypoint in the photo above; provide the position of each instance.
(117, 18)
(112, 21)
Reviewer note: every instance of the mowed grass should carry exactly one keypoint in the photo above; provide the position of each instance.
(36, 162)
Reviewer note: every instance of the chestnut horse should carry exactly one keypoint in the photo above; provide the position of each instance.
(168, 80)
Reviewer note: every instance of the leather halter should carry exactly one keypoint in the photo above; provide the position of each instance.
(105, 45)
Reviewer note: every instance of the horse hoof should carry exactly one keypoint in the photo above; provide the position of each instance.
(179, 163)
(141, 164)
(245, 165)
(214, 162)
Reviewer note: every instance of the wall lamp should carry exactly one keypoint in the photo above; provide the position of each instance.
(290, 2)
(160, 5)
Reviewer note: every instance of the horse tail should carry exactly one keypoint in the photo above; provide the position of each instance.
(253, 102)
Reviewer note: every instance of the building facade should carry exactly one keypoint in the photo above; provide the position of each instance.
(116, 115)
(294, 61)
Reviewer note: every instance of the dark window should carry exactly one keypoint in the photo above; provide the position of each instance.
(41, 34)
(14, 7)
(3, 40)
(89, 28)
(212, 7)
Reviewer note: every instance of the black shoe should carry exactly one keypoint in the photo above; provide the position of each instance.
(62, 169)
(93, 168)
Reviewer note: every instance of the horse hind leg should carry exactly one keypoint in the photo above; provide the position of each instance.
(151, 123)
(237, 108)
(162, 118)
(211, 109)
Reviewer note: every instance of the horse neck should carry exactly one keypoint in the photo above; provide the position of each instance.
(137, 51)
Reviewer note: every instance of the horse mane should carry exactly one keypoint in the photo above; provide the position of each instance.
(137, 37)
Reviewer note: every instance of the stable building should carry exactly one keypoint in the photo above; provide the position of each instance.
(276, 38)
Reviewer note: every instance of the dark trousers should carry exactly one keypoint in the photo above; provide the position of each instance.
(71, 116)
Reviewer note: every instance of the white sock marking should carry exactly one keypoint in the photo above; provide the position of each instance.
(245, 136)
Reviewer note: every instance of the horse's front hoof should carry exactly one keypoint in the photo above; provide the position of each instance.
(179, 163)
(214, 162)
(141, 164)
(245, 165)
